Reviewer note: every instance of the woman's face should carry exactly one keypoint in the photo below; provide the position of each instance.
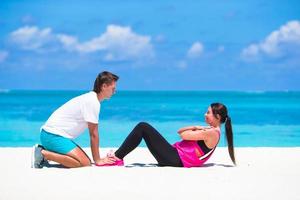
(209, 117)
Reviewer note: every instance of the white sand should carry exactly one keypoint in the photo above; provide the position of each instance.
(262, 173)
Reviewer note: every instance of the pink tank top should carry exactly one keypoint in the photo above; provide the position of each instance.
(187, 153)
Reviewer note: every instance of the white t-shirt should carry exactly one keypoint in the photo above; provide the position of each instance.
(71, 119)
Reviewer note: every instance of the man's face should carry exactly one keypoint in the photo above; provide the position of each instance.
(108, 90)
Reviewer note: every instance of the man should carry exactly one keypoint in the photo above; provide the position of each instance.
(68, 122)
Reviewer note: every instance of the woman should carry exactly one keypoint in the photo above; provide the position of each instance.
(197, 145)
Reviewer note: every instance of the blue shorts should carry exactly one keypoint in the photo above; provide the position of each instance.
(56, 143)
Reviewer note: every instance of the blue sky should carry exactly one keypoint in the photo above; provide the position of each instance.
(151, 45)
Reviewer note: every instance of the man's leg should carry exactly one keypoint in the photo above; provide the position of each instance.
(63, 151)
(75, 158)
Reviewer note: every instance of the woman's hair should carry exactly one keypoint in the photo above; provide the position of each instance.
(104, 78)
(220, 112)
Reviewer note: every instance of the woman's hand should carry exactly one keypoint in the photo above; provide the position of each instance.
(190, 128)
(199, 128)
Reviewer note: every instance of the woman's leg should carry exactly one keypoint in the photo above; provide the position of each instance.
(163, 152)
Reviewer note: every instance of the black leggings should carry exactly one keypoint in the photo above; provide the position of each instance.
(163, 152)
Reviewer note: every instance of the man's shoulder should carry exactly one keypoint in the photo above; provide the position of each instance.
(88, 95)
(90, 98)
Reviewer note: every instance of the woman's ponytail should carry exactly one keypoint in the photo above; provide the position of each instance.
(229, 137)
(220, 111)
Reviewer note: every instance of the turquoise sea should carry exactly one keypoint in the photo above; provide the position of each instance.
(259, 118)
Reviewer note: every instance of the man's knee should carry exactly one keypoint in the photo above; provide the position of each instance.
(81, 157)
(85, 163)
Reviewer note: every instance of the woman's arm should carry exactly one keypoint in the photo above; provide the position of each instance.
(199, 134)
(181, 130)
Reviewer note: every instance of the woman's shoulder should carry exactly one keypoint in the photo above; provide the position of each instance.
(216, 131)
(214, 137)
(212, 128)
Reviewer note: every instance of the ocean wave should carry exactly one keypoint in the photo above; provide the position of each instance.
(256, 92)
(4, 90)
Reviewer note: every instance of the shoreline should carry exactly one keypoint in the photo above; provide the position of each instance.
(261, 173)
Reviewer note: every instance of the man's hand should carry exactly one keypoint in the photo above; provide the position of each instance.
(106, 160)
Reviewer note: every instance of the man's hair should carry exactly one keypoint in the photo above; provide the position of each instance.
(104, 78)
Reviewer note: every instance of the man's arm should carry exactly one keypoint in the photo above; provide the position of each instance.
(94, 140)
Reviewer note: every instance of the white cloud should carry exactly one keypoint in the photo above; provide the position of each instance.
(3, 56)
(116, 43)
(31, 37)
(275, 44)
(196, 50)
(69, 42)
